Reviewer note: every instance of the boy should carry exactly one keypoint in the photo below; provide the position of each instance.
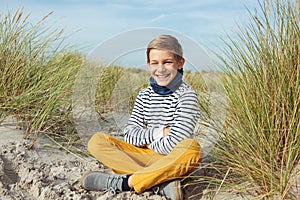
(157, 149)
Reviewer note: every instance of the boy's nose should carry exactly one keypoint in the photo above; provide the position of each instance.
(161, 67)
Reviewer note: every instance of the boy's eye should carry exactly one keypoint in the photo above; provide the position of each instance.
(165, 63)
(168, 63)
(153, 64)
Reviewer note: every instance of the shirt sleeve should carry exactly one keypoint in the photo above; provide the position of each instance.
(185, 119)
(136, 130)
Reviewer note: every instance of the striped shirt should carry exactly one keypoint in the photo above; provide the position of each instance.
(153, 112)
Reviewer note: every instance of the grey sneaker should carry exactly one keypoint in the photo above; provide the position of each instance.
(98, 181)
(172, 190)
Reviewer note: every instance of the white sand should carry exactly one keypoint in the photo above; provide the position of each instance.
(50, 173)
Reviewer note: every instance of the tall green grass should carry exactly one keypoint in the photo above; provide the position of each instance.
(259, 149)
(109, 77)
(36, 75)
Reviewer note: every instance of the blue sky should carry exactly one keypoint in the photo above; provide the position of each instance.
(89, 23)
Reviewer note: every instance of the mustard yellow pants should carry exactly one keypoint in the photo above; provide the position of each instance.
(147, 167)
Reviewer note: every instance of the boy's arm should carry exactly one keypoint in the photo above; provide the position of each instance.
(185, 119)
(136, 131)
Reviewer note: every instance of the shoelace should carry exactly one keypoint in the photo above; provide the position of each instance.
(113, 182)
(112, 191)
(156, 190)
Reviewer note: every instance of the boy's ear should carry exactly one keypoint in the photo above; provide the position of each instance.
(181, 63)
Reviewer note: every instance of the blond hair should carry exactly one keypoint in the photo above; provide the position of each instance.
(168, 43)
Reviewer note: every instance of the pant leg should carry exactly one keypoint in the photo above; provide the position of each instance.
(120, 156)
(183, 159)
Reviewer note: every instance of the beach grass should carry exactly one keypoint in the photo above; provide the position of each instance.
(258, 151)
(37, 75)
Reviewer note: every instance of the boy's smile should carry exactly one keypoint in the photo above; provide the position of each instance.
(163, 66)
(162, 77)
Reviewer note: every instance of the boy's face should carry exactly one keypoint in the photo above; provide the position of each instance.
(163, 66)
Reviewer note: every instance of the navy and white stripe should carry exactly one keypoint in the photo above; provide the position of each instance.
(152, 112)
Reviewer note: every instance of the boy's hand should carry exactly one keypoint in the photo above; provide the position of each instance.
(166, 131)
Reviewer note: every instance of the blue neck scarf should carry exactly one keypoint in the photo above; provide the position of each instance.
(169, 89)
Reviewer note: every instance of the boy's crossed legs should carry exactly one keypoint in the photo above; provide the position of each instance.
(144, 167)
